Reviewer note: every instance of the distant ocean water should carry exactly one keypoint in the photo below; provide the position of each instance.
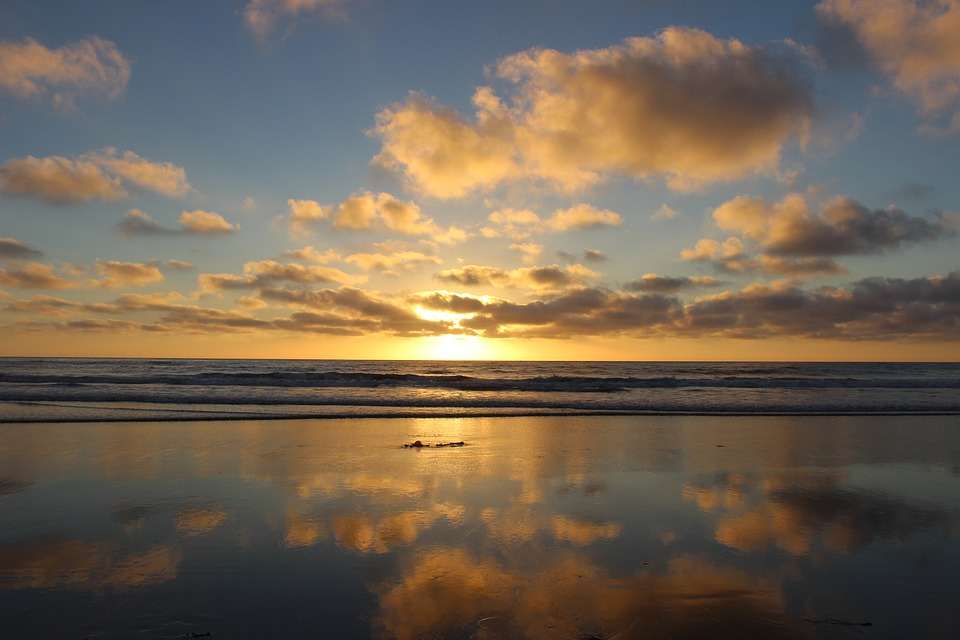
(88, 389)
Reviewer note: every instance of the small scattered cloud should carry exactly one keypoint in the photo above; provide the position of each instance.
(98, 175)
(11, 249)
(192, 223)
(520, 224)
(179, 265)
(530, 251)
(123, 274)
(655, 283)
(665, 212)
(263, 17)
(268, 273)
(682, 106)
(392, 263)
(366, 211)
(915, 43)
(309, 254)
(92, 67)
(34, 275)
(550, 277)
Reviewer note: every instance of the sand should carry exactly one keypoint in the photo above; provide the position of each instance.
(612, 527)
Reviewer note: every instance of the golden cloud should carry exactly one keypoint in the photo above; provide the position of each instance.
(98, 175)
(92, 66)
(915, 42)
(121, 274)
(683, 106)
(34, 275)
(366, 211)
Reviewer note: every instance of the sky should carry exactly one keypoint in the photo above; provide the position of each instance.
(523, 179)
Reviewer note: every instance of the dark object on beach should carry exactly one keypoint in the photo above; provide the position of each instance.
(836, 621)
(419, 445)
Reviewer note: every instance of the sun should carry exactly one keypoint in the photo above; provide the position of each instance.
(454, 347)
(451, 346)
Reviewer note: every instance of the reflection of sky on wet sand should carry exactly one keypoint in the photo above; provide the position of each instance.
(681, 527)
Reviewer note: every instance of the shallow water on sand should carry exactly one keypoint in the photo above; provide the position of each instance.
(573, 527)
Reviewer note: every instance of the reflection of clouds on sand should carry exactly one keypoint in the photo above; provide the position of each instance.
(519, 524)
(84, 565)
(449, 590)
(197, 520)
(10, 486)
(800, 511)
(368, 532)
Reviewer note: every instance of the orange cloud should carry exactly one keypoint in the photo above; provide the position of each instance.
(915, 42)
(34, 275)
(522, 223)
(92, 66)
(551, 277)
(388, 262)
(202, 223)
(366, 211)
(98, 175)
(683, 106)
(121, 274)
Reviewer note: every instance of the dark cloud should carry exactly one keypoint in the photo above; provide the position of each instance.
(16, 250)
(655, 283)
(846, 227)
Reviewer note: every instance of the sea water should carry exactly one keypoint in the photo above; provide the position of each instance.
(97, 389)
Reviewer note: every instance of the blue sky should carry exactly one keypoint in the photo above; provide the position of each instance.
(533, 179)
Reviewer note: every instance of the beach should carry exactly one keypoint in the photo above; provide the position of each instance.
(536, 527)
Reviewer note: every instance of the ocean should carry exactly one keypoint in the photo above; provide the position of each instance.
(102, 390)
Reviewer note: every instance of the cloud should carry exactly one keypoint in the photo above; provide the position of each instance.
(914, 42)
(268, 273)
(192, 223)
(390, 262)
(683, 106)
(179, 265)
(261, 16)
(878, 309)
(91, 67)
(59, 180)
(531, 251)
(16, 250)
(842, 227)
(206, 223)
(34, 275)
(665, 212)
(549, 277)
(655, 283)
(97, 175)
(304, 214)
(366, 211)
(122, 274)
(522, 223)
(309, 254)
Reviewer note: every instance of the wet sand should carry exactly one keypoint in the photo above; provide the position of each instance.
(611, 527)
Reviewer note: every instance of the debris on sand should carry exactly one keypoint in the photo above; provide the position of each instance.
(419, 445)
(838, 622)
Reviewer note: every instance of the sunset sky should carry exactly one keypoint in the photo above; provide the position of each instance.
(533, 179)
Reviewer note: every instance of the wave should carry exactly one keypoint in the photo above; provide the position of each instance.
(559, 383)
